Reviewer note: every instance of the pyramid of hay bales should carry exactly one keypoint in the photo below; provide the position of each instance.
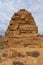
(22, 31)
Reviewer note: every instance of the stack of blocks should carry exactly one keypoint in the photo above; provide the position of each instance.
(22, 31)
(22, 42)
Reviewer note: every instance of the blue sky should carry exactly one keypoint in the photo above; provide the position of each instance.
(8, 7)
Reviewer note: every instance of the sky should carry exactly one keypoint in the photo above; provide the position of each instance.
(9, 7)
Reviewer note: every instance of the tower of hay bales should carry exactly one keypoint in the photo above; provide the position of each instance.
(22, 31)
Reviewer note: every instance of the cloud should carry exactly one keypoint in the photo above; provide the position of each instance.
(0, 4)
(8, 7)
(2, 28)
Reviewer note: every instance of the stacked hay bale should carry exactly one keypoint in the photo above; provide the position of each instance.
(22, 31)
(22, 41)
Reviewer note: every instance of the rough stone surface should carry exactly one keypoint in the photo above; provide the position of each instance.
(22, 31)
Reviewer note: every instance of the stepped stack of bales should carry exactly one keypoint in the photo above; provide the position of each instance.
(22, 31)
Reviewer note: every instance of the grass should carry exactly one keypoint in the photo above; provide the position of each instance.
(1, 46)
